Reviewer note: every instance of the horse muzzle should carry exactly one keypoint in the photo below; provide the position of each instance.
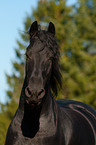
(34, 96)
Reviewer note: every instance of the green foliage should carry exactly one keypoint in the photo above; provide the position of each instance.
(6, 115)
(76, 36)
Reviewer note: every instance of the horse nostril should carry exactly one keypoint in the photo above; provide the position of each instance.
(28, 92)
(41, 93)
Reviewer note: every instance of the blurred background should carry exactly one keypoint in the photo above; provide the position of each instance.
(75, 23)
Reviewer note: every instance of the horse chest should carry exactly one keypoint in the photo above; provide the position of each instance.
(46, 135)
(41, 138)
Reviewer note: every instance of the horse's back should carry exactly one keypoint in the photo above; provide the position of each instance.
(71, 104)
(83, 121)
(78, 107)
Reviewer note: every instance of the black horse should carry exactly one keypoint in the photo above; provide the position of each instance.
(40, 119)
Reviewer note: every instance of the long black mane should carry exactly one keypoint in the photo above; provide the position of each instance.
(50, 42)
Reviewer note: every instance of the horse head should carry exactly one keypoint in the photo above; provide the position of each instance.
(41, 56)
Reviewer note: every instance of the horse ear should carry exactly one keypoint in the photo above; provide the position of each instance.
(33, 28)
(51, 28)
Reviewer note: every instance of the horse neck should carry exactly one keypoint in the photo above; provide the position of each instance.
(49, 113)
(48, 105)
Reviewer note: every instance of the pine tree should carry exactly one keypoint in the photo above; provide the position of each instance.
(84, 57)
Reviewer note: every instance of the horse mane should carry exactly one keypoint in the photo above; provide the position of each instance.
(50, 41)
(55, 80)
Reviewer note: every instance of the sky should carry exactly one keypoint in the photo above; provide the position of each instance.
(12, 14)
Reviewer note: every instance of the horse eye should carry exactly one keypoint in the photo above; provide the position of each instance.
(27, 56)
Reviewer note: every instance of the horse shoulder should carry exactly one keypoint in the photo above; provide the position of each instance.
(14, 130)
